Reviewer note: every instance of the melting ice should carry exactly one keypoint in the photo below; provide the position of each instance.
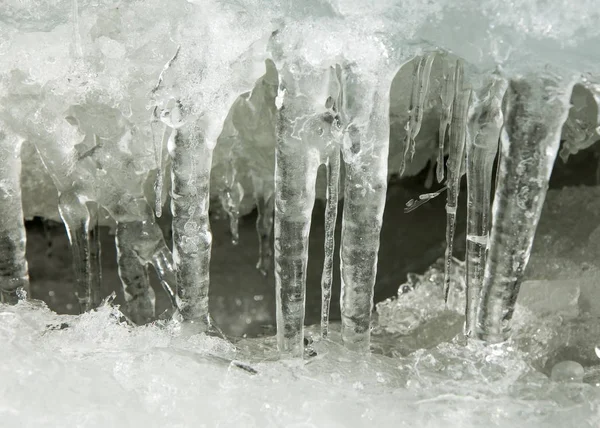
(127, 112)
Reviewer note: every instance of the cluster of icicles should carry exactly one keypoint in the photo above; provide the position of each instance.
(316, 125)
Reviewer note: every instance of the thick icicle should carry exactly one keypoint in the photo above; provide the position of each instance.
(365, 153)
(447, 99)
(331, 211)
(192, 238)
(303, 132)
(13, 264)
(482, 148)
(537, 108)
(264, 198)
(458, 136)
(81, 222)
(419, 93)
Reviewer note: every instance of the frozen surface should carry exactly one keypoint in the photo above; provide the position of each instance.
(93, 370)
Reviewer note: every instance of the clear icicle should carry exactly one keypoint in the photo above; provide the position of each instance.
(365, 153)
(231, 198)
(419, 92)
(458, 136)
(485, 126)
(537, 108)
(139, 295)
(159, 145)
(447, 99)
(264, 198)
(295, 175)
(331, 211)
(192, 238)
(140, 243)
(81, 222)
(304, 130)
(13, 264)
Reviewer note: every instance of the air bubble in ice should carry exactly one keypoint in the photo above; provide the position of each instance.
(567, 371)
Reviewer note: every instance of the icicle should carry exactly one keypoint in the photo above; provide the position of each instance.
(140, 243)
(458, 136)
(264, 198)
(13, 264)
(231, 198)
(81, 223)
(303, 131)
(139, 295)
(413, 204)
(159, 145)
(447, 98)
(331, 211)
(419, 92)
(77, 49)
(537, 108)
(162, 260)
(295, 174)
(365, 156)
(481, 151)
(192, 239)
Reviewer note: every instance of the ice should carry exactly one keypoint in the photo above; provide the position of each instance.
(457, 143)
(536, 111)
(484, 129)
(13, 267)
(94, 369)
(118, 113)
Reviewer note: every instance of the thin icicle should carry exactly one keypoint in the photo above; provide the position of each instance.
(77, 49)
(81, 224)
(139, 295)
(159, 145)
(13, 264)
(264, 198)
(537, 108)
(231, 198)
(447, 100)
(482, 148)
(420, 88)
(331, 211)
(458, 135)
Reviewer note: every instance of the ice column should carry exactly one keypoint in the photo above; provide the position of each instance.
(13, 265)
(458, 136)
(537, 107)
(482, 147)
(365, 116)
(192, 238)
(303, 132)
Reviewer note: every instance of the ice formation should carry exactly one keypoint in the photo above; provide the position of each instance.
(133, 105)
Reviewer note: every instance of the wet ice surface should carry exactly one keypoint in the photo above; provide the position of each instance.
(94, 370)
